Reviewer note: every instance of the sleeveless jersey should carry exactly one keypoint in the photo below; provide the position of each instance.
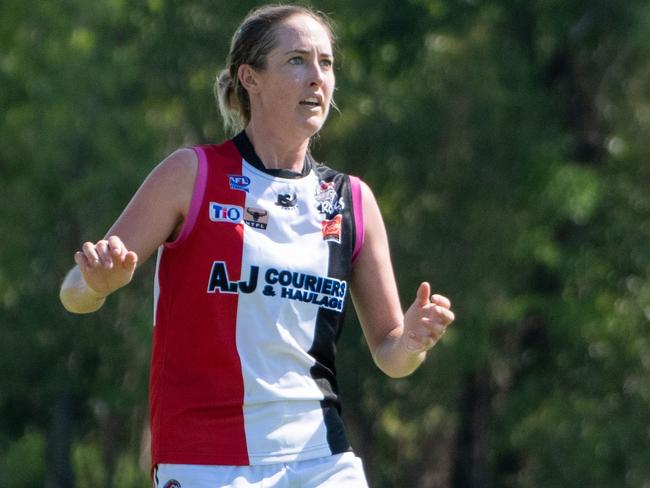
(249, 302)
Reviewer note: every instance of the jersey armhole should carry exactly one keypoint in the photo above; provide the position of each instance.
(197, 198)
(357, 210)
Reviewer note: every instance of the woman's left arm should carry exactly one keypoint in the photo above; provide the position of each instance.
(398, 341)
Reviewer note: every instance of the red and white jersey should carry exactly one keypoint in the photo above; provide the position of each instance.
(249, 303)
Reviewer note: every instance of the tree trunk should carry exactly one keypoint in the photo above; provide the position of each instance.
(471, 470)
(59, 468)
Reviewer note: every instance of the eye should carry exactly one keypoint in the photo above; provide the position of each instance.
(327, 62)
(296, 60)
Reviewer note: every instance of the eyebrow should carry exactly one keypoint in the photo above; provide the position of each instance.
(305, 51)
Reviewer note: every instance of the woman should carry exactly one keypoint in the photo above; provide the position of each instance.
(257, 245)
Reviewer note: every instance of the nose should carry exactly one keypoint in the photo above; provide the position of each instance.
(316, 74)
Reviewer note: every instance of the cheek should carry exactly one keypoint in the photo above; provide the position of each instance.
(279, 93)
(296, 80)
(288, 85)
(329, 85)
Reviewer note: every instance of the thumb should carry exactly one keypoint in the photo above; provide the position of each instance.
(423, 294)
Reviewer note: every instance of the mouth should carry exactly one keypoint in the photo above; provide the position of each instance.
(312, 102)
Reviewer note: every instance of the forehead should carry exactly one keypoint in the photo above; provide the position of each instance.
(302, 32)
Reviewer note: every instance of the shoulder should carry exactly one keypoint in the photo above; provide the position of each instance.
(179, 165)
(172, 180)
(176, 173)
(372, 216)
(367, 196)
(366, 192)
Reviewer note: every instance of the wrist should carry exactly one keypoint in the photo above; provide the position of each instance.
(92, 293)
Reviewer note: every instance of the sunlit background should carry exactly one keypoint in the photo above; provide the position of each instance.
(507, 142)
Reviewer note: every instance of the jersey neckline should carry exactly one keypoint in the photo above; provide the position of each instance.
(247, 151)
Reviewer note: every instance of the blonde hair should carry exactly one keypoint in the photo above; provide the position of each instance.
(250, 44)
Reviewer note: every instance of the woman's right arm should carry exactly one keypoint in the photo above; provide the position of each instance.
(154, 215)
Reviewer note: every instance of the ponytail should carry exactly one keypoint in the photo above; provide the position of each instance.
(225, 92)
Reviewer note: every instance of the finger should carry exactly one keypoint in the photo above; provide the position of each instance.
(436, 315)
(116, 246)
(441, 300)
(130, 260)
(443, 315)
(427, 323)
(419, 342)
(422, 295)
(118, 252)
(117, 255)
(90, 252)
(435, 332)
(104, 254)
(439, 330)
(430, 329)
(81, 260)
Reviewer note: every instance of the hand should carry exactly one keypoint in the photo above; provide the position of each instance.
(106, 265)
(426, 320)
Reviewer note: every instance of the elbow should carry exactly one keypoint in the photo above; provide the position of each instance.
(396, 373)
(398, 366)
(65, 296)
(73, 303)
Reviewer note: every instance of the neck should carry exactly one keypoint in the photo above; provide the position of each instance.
(277, 150)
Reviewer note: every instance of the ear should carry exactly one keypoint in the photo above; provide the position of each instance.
(248, 78)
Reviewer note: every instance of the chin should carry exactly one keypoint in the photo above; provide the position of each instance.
(313, 125)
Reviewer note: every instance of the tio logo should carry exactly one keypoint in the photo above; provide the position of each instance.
(221, 212)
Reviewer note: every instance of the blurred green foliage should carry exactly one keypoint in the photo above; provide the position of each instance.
(507, 144)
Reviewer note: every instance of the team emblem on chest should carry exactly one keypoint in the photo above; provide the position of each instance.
(287, 201)
(257, 218)
(330, 204)
(328, 201)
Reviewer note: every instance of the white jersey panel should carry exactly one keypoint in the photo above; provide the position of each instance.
(275, 330)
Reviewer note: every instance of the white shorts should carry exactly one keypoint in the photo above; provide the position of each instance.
(338, 471)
